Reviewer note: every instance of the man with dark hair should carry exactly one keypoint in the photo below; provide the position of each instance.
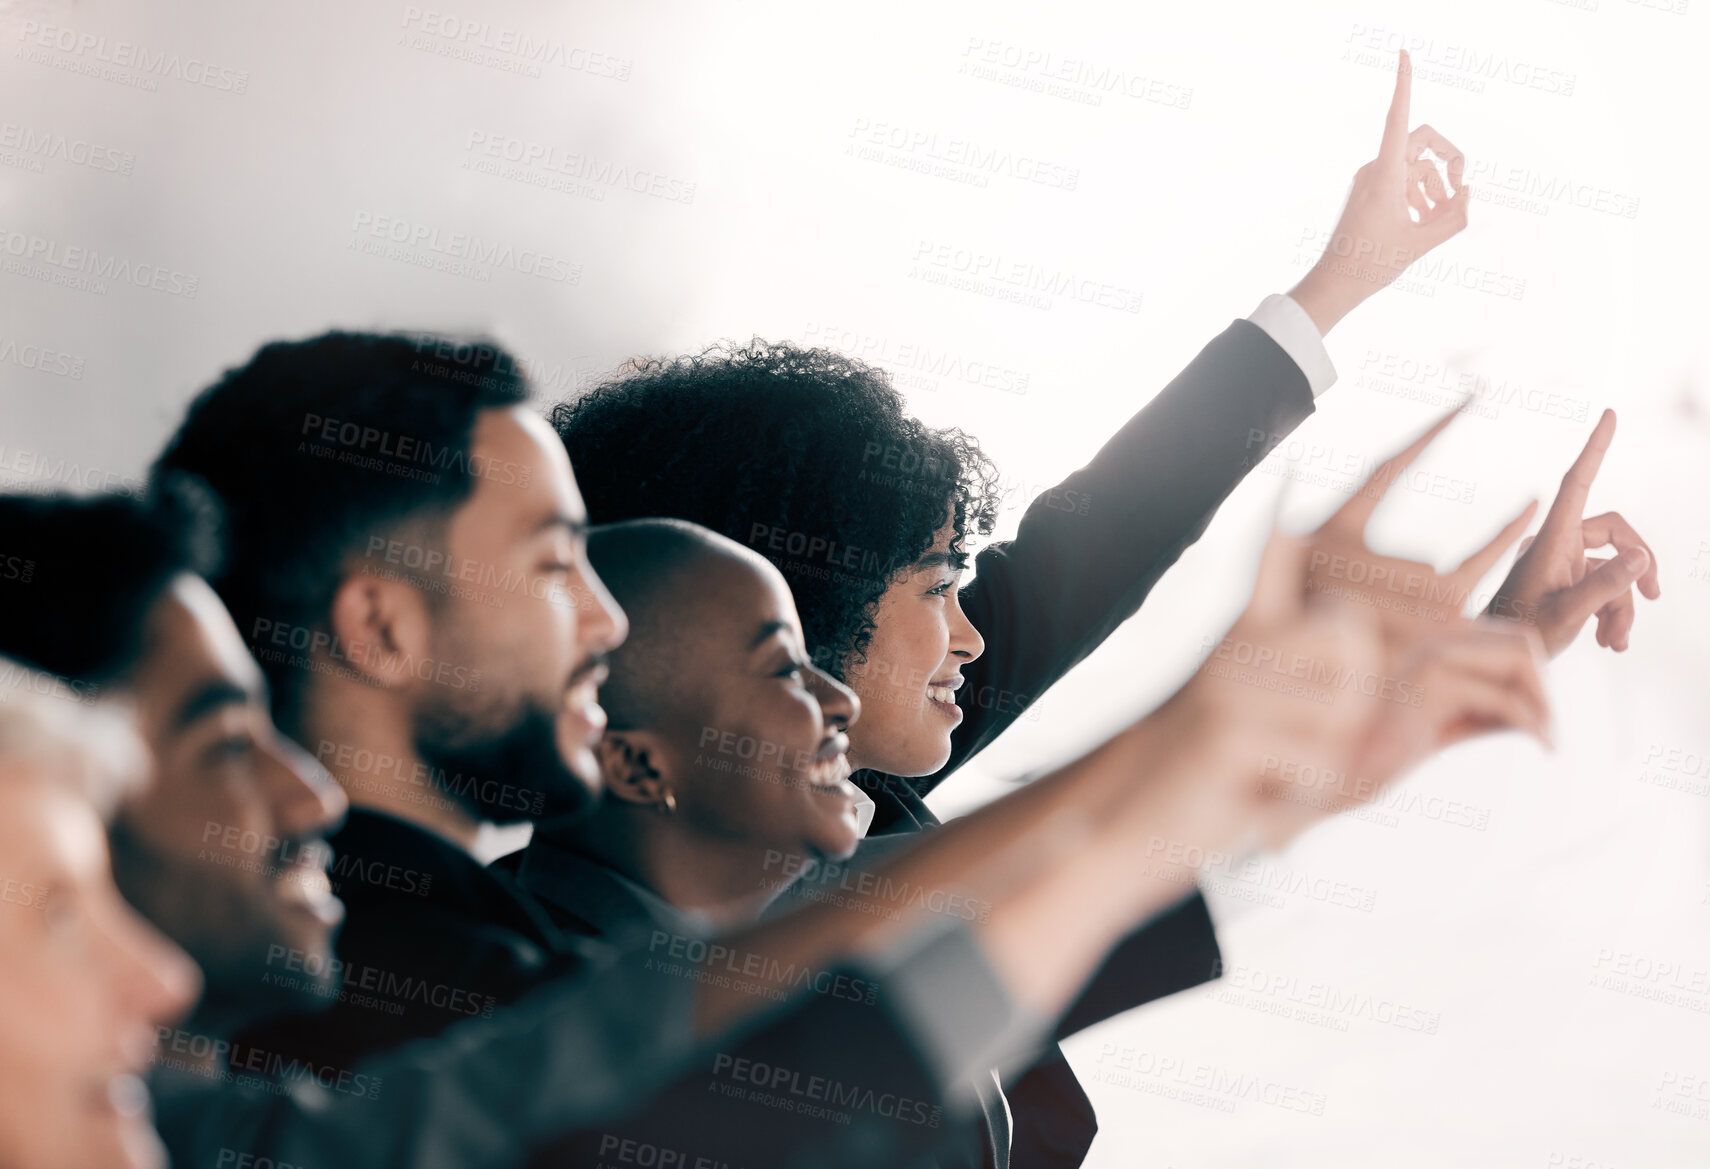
(408, 570)
(224, 851)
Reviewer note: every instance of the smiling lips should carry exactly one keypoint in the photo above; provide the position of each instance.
(831, 763)
(582, 699)
(942, 693)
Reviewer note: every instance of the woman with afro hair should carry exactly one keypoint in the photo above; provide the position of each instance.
(811, 458)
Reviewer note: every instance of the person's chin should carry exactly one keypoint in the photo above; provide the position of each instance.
(140, 1145)
(307, 943)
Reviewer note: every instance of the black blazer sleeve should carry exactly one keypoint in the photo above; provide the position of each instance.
(1090, 549)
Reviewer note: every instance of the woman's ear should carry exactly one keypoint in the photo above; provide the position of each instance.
(628, 766)
(382, 629)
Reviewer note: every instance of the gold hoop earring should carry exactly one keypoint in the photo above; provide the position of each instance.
(669, 803)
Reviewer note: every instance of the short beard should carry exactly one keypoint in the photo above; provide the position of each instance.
(514, 776)
(229, 940)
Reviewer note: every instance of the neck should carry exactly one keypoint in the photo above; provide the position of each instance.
(727, 879)
(363, 736)
(202, 1042)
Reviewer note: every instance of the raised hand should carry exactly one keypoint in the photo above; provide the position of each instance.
(1376, 238)
(1409, 598)
(1556, 587)
(1266, 692)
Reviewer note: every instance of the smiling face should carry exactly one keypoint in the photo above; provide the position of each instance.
(908, 676)
(510, 692)
(86, 982)
(225, 850)
(746, 736)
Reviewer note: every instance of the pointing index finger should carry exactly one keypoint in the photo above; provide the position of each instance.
(1394, 145)
(1576, 484)
(1353, 515)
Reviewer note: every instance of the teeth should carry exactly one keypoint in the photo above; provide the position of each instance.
(941, 694)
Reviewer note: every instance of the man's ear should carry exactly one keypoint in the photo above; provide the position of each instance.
(629, 762)
(382, 629)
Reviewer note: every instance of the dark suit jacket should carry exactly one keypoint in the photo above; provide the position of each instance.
(585, 897)
(1085, 557)
(430, 938)
(592, 1043)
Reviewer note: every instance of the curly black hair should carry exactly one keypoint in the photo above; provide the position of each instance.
(805, 455)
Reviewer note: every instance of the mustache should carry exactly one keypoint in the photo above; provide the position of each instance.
(592, 664)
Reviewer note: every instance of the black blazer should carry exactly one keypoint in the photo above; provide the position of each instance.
(1086, 555)
(430, 938)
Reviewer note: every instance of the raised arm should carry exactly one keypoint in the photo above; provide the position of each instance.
(1090, 549)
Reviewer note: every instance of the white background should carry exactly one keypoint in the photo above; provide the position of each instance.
(1562, 949)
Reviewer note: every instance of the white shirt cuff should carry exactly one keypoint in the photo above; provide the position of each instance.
(1287, 324)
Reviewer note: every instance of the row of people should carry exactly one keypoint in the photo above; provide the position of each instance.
(375, 604)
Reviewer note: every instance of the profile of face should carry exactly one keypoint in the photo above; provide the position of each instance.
(225, 849)
(86, 983)
(908, 677)
(748, 737)
(519, 624)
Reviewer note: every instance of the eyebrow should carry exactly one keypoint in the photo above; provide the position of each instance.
(576, 526)
(214, 696)
(766, 632)
(936, 560)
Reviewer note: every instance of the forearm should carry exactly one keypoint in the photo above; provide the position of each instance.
(1048, 872)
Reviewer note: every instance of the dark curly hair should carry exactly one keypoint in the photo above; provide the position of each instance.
(805, 455)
